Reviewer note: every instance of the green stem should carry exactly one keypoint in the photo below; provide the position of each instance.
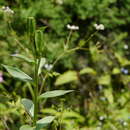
(36, 91)
(61, 119)
(91, 36)
(68, 39)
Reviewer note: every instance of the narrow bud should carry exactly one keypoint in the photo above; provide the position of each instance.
(39, 41)
(31, 25)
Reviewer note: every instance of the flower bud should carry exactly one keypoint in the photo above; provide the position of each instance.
(31, 25)
(39, 41)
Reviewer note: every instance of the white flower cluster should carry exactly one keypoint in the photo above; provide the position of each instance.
(6, 9)
(72, 27)
(99, 27)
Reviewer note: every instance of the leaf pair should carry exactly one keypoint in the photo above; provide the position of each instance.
(29, 106)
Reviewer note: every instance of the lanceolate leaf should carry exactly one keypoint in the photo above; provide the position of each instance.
(29, 106)
(15, 72)
(23, 57)
(44, 122)
(26, 127)
(55, 93)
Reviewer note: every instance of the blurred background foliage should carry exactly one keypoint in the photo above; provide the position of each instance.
(99, 75)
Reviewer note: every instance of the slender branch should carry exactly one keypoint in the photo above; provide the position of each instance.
(58, 58)
(73, 49)
(43, 83)
(22, 47)
(91, 36)
(67, 51)
(68, 39)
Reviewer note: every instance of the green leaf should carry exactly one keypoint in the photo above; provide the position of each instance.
(23, 57)
(15, 72)
(88, 70)
(104, 79)
(123, 61)
(108, 94)
(4, 98)
(29, 106)
(116, 71)
(81, 43)
(55, 74)
(67, 77)
(54, 93)
(26, 127)
(42, 63)
(42, 28)
(44, 122)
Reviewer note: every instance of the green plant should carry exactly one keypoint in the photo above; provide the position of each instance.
(37, 47)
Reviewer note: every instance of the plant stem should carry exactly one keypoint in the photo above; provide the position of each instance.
(58, 58)
(91, 36)
(36, 91)
(31, 90)
(43, 83)
(68, 39)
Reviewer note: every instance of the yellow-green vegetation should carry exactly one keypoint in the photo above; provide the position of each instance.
(64, 65)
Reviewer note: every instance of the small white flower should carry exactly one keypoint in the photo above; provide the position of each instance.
(101, 118)
(48, 66)
(72, 27)
(6, 9)
(125, 123)
(99, 27)
(126, 46)
(60, 2)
